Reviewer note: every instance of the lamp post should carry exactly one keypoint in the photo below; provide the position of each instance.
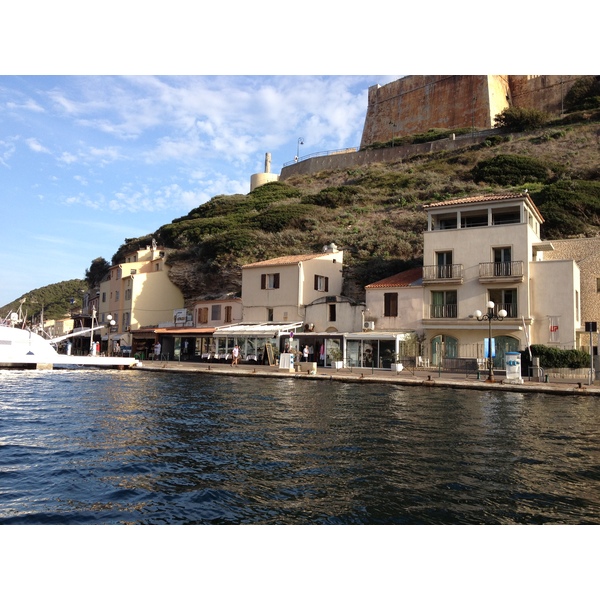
(111, 322)
(300, 143)
(489, 317)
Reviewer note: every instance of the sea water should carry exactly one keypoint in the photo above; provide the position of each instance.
(134, 447)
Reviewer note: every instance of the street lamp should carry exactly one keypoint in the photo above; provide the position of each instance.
(111, 323)
(300, 143)
(489, 317)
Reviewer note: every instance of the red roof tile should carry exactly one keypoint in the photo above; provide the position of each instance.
(404, 279)
(287, 260)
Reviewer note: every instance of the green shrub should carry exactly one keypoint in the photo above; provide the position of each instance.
(277, 218)
(521, 119)
(569, 208)
(514, 169)
(584, 94)
(560, 359)
(334, 197)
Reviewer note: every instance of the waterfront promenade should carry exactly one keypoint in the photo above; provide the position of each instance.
(420, 377)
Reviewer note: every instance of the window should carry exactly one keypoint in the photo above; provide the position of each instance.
(215, 312)
(126, 320)
(390, 305)
(506, 216)
(269, 314)
(332, 312)
(474, 219)
(321, 283)
(127, 294)
(443, 305)
(444, 264)
(117, 294)
(504, 299)
(502, 262)
(228, 318)
(158, 267)
(203, 315)
(597, 285)
(269, 281)
(103, 296)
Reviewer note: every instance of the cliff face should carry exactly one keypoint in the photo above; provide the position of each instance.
(197, 285)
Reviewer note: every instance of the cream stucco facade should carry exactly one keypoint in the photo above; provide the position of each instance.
(278, 290)
(478, 250)
(138, 292)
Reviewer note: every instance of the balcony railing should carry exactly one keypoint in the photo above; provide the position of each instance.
(511, 310)
(501, 269)
(433, 273)
(443, 311)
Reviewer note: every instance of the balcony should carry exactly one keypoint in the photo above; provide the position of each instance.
(446, 274)
(511, 271)
(443, 311)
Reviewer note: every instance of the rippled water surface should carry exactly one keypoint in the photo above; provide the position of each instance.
(87, 447)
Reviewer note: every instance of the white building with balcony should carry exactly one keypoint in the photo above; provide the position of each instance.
(479, 250)
(488, 248)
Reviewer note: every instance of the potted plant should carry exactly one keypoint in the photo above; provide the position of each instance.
(337, 358)
(396, 364)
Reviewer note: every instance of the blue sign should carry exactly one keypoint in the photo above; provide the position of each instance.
(486, 347)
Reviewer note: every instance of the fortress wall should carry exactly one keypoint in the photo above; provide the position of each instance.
(350, 160)
(543, 92)
(418, 103)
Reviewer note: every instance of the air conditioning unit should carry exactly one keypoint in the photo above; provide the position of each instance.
(370, 325)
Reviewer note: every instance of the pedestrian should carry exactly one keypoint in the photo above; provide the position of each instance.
(236, 355)
(305, 353)
(157, 351)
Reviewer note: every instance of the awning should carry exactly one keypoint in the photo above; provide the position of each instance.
(266, 330)
(184, 331)
(378, 335)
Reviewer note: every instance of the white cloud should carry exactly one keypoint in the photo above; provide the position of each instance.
(35, 146)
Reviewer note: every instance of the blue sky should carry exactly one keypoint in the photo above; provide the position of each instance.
(87, 161)
(96, 148)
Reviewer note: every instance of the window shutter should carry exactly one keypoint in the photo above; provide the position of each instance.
(263, 282)
(326, 284)
(276, 280)
(316, 282)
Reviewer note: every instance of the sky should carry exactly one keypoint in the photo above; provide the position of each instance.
(87, 161)
(114, 122)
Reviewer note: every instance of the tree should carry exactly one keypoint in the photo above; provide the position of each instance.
(521, 119)
(97, 271)
(585, 94)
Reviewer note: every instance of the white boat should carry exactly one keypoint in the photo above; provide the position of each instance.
(22, 349)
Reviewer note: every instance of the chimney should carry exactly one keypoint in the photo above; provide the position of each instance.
(268, 162)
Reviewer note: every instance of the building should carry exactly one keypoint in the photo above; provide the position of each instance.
(486, 249)
(138, 295)
(279, 289)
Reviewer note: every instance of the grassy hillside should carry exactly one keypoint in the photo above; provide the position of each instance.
(57, 300)
(376, 214)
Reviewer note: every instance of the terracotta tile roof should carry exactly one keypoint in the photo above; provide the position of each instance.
(486, 198)
(286, 260)
(475, 199)
(404, 279)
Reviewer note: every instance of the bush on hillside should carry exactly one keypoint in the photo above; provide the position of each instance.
(569, 208)
(278, 218)
(521, 119)
(584, 94)
(334, 197)
(514, 169)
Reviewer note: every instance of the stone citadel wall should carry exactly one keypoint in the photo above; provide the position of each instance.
(417, 103)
